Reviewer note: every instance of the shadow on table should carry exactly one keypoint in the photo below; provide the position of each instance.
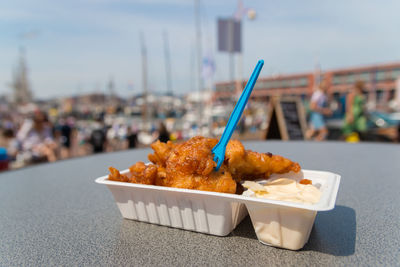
(334, 232)
(244, 229)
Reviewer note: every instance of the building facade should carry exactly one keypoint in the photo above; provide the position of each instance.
(380, 84)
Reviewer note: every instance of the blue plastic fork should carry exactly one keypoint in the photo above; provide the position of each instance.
(219, 149)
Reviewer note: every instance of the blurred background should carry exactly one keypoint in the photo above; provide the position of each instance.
(94, 76)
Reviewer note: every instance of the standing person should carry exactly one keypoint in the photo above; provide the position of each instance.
(132, 137)
(7, 148)
(319, 109)
(355, 119)
(98, 138)
(64, 131)
(36, 139)
(163, 134)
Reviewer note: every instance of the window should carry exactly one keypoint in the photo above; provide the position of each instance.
(303, 82)
(275, 84)
(285, 83)
(268, 84)
(380, 75)
(395, 74)
(260, 85)
(351, 78)
(279, 83)
(365, 76)
(337, 79)
(296, 82)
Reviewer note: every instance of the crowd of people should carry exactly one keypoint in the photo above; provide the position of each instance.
(31, 139)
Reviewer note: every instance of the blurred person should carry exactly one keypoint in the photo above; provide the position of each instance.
(4, 160)
(82, 144)
(355, 118)
(5, 137)
(7, 123)
(163, 134)
(112, 135)
(66, 135)
(319, 109)
(72, 150)
(393, 102)
(64, 131)
(7, 147)
(98, 138)
(122, 135)
(242, 125)
(132, 137)
(35, 139)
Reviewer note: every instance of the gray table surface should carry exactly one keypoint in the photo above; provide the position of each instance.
(54, 214)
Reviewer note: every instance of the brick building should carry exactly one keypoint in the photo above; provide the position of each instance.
(380, 81)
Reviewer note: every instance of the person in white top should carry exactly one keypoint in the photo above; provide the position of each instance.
(319, 109)
(35, 139)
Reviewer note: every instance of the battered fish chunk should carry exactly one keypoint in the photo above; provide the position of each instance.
(249, 165)
(143, 174)
(139, 173)
(115, 175)
(191, 165)
(161, 152)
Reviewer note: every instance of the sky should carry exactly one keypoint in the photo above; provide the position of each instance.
(76, 47)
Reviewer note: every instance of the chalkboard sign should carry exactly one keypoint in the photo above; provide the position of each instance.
(286, 119)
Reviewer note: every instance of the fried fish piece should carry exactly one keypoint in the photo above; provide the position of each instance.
(139, 173)
(191, 165)
(115, 175)
(143, 174)
(161, 152)
(249, 165)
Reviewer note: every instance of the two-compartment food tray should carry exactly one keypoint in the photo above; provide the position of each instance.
(207, 212)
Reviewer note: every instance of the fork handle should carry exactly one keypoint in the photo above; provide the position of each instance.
(240, 105)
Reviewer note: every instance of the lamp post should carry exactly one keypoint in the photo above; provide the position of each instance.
(241, 12)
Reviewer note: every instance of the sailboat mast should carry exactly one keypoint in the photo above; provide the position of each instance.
(167, 63)
(144, 80)
(199, 58)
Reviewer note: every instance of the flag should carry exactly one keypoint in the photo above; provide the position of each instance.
(208, 67)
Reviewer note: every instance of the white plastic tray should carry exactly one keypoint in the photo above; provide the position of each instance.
(208, 212)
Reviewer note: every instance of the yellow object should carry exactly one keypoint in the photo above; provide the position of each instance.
(173, 137)
(353, 138)
(53, 112)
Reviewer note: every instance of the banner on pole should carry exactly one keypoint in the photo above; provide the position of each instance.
(229, 35)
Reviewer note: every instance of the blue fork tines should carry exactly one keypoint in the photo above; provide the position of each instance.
(219, 149)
